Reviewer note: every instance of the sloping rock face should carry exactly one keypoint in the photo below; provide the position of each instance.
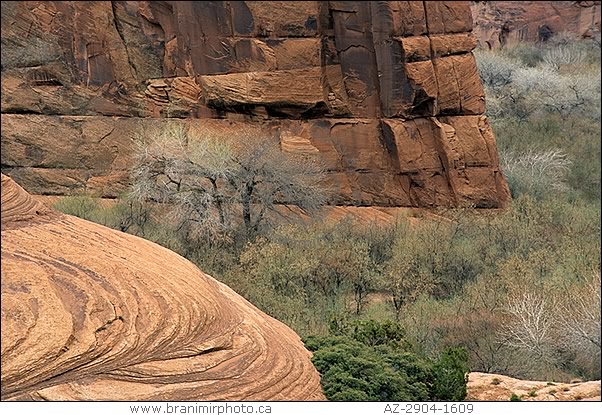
(89, 313)
(499, 23)
(386, 93)
(492, 387)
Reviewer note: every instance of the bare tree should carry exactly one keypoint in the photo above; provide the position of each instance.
(213, 182)
(532, 322)
(546, 322)
(495, 70)
(536, 172)
(579, 317)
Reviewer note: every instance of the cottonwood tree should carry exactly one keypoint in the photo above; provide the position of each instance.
(536, 172)
(532, 322)
(214, 182)
(547, 322)
(546, 89)
(579, 320)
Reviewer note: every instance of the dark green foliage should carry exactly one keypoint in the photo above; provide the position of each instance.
(451, 375)
(369, 361)
(374, 333)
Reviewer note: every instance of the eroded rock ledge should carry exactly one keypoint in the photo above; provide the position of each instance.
(89, 313)
(387, 93)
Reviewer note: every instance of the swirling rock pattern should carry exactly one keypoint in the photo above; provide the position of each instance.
(89, 313)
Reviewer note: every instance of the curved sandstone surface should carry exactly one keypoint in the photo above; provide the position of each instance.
(89, 313)
(493, 387)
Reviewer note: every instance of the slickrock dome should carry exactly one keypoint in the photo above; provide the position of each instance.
(89, 313)
(494, 387)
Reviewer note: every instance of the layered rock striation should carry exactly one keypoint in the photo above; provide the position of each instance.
(89, 313)
(386, 93)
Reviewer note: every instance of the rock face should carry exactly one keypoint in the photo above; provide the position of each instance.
(499, 23)
(387, 93)
(89, 313)
(492, 387)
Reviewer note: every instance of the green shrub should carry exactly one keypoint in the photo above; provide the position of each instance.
(528, 54)
(84, 207)
(374, 333)
(349, 368)
(451, 375)
(378, 368)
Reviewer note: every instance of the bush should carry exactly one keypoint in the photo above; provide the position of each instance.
(560, 77)
(350, 369)
(527, 54)
(322, 267)
(539, 174)
(383, 370)
(496, 70)
(544, 89)
(564, 54)
(84, 207)
(432, 257)
(451, 375)
(374, 333)
(577, 141)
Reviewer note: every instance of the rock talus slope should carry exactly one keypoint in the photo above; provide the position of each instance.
(386, 93)
(89, 313)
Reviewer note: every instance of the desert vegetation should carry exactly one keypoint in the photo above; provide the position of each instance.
(402, 311)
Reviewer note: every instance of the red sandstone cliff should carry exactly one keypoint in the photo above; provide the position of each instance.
(387, 92)
(507, 22)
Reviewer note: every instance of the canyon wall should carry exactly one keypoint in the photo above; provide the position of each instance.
(499, 23)
(386, 93)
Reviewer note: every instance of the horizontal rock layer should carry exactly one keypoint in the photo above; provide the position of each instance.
(445, 161)
(89, 313)
(344, 80)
